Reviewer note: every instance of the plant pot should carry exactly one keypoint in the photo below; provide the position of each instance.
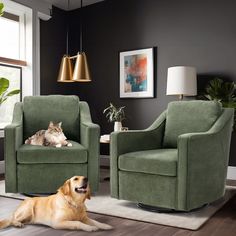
(117, 126)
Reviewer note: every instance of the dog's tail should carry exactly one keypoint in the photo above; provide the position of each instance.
(4, 223)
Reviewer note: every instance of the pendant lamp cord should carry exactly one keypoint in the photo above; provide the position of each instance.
(67, 33)
(81, 27)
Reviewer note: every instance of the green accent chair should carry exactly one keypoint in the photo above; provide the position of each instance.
(179, 162)
(40, 169)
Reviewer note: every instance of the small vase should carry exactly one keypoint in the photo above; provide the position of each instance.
(117, 126)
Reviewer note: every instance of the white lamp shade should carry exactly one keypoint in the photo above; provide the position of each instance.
(181, 80)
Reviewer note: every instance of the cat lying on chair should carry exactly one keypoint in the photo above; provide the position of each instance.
(53, 136)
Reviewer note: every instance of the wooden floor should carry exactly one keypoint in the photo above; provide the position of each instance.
(223, 223)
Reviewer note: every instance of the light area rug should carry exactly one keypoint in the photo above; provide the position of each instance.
(102, 203)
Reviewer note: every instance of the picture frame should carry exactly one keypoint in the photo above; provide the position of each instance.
(137, 73)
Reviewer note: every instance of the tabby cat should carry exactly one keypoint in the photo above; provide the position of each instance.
(53, 136)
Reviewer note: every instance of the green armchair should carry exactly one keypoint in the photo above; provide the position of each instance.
(179, 162)
(40, 169)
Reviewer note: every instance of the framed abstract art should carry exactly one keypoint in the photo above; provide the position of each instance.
(137, 74)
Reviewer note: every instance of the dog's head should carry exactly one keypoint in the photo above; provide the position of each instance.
(76, 188)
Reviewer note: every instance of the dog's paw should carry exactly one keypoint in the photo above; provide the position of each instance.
(90, 228)
(69, 144)
(18, 224)
(58, 145)
(105, 227)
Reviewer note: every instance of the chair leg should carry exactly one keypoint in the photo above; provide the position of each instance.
(166, 210)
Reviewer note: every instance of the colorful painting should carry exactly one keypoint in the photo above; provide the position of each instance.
(136, 73)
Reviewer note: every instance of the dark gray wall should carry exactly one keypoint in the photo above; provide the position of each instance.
(186, 32)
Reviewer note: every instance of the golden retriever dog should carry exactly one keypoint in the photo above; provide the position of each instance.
(63, 210)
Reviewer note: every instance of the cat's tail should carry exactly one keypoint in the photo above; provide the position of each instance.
(5, 223)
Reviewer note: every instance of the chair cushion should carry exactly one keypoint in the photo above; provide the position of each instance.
(32, 154)
(40, 110)
(189, 117)
(159, 161)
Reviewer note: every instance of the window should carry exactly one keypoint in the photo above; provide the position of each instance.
(10, 39)
(14, 74)
(15, 50)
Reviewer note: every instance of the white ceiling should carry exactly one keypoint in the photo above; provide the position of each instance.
(73, 4)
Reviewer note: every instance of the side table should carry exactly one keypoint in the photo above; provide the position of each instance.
(105, 139)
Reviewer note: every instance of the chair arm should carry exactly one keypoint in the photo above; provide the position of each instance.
(137, 140)
(13, 140)
(90, 134)
(131, 141)
(202, 163)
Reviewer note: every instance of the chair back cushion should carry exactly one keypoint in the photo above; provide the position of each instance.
(40, 110)
(189, 117)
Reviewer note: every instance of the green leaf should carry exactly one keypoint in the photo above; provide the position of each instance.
(2, 100)
(13, 92)
(1, 8)
(4, 85)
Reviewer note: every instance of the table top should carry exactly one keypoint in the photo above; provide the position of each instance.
(105, 138)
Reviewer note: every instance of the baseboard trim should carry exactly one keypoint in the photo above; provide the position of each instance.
(2, 167)
(231, 174)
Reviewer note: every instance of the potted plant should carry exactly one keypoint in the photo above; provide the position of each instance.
(4, 94)
(221, 91)
(116, 115)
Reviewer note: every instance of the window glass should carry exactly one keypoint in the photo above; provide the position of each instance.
(10, 36)
(13, 74)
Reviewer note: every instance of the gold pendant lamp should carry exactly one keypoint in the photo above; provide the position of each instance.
(66, 70)
(81, 70)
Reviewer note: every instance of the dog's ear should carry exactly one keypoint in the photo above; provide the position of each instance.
(88, 194)
(65, 188)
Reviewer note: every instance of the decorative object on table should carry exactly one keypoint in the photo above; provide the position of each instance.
(182, 157)
(4, 94)
(105, 138)
(182, 81)
(222, 91)
(116, 115)
(137, 74)
(81, 70)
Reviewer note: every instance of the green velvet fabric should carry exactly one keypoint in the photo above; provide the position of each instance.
(148, 189)
(30, 154)
(40, 110)
(90, 139)
(189, 117)
(201, 163)
(132, 141)
(33, 169)
(13, 139)
(158, 161)
(46, 178)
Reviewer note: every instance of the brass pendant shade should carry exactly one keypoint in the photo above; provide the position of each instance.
(81, 70)
(66, 70)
